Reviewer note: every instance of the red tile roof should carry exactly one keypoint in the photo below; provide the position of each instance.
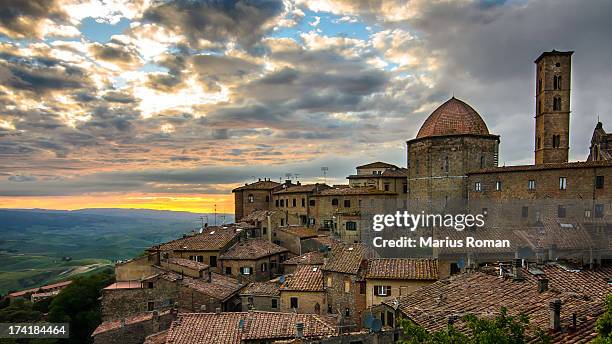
(125, 285)
(349, 258)
(252, 249)
(301, 232)
(269, 288)
(259, 185)
(42, 288)
(157, 338)
(115, 324)
(211, 239)
(402, 269)
(484, 294)
(233, 328)
(454, 117)
(188, 263)
(377, 164)
(306, 188)
(260, 215)
(305, 278)
(220, 287)
(310, 258)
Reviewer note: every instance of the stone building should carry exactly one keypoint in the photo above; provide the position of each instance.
(204, 247)
(264, 222)
(452, 141)
(253, 260)
(553, 85)
(295, 202)
(291, 237)
(345, 285)
(303, 291)
(261, 296)
(388, 278)
(601, 144)
(254, 196)
(133, 329)
(347, 212)
(313, 258)
(382, 176)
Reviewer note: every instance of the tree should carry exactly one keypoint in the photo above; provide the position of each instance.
(79, 306)
(604, 324)
(503, 329)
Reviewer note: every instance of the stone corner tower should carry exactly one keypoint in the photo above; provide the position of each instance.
(553, 81)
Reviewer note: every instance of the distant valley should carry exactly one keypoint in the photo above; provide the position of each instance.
(39, 246)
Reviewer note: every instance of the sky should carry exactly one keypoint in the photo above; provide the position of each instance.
(171, 104)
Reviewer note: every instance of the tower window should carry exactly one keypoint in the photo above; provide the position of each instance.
(562, 183)
(557, 82)
(498, 185)
(251, 198)
(477, 186)
(446, 164)
(531, 184)
(482, 161)
(557, 104)
(556, 141)
(560, 211)
(540, 85)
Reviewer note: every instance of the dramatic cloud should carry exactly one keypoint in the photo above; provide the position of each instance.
(27, 18)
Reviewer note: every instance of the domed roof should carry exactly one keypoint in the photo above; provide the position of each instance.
(454, 117)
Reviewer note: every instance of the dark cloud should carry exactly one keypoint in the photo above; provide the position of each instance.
(243, 21)
(213, 69)
(21, 179)
(116, 52)
(23, 18)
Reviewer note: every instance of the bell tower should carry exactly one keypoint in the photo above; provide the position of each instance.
(553, 81)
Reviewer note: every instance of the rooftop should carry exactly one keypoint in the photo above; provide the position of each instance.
(300, 231)
(124, 285)
(259, 185)
(251, 249)
(212, 238)
(354, 191)
(484, 294)
(269, 288)
(555, 166)
(454, 117)
(305, 278)
(191, 264)
(403, 269)
(349, 258)
(43, 288)
(115, 324)
(260, 215)
(220, 287)
(235, 327)
(309, 258)
(306, 188)
(377, 164)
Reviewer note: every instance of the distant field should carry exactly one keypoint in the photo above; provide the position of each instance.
(32, 243)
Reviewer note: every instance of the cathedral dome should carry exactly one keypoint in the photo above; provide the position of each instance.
(454, 117)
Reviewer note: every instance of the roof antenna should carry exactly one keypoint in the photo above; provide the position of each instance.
(453, 94)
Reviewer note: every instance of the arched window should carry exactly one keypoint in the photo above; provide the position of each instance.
(557, 104)
(557, 82)
(334, 201)
(251, 198)
(482, 161)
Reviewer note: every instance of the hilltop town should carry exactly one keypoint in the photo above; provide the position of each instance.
(298, 265)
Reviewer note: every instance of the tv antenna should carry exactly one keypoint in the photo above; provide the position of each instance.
(324, 169)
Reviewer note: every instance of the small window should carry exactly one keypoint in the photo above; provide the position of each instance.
(334, 201)
(264, 230)
(213, 261)
(347, 312)
(477, 186)
(267, 199)
(150, 306)
(282, 222)
(329, 281)
(276, 203)
(556, 141)
(381, 290)
(599, 182)
(362, 287)
(599, 210)
(294, 302)
(390, 319)
(557, 81)
(351, 226)
(405, 188)
(525, 212)
(311, 202)
(347, 203)
(274, 303)
(228, 270)
(303, 202)
(282, 202)
(587, 213)
(446, 164)
(264, 267)
(498, 185)
(557, 104)
(531, 184)
(562, 183)
(294, 203)
(251, 198)
(386, 187)
(246, 270)
(347, 286)
(560, 211)
(482, 161)
(150, 285)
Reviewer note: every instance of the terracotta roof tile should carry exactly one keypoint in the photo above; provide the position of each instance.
(269, 288)
(454, 117)
(349, 258)
(354, 191)
(42, 288)
(252, 249)
(310, 258)
(211, 239)
(402, 268)
(377, 164)
(191, 264)
(157, 338)
(115, 324)
(306, 188)
(260, 215)
(233, 328)
(305, 278)
(484, 294)
(300, 231)
(259, 185)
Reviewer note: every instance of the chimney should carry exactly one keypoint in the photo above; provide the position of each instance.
(299, 330)
(287, 182)
(298, 183)
(517, 269)
(555, 314)
(542, 285)
(155, 321)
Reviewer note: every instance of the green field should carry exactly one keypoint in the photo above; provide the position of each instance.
(33, 243)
